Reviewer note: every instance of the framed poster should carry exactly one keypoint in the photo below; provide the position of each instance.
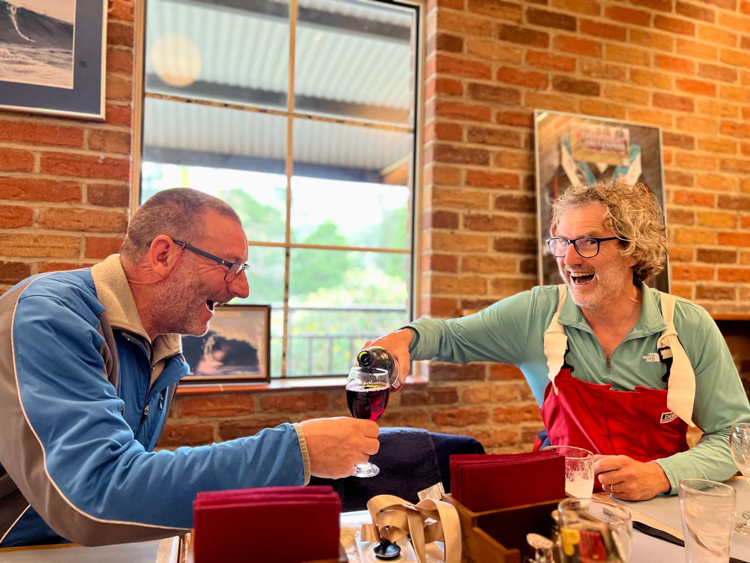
(575, 150)
(235, 348)
(53, 56)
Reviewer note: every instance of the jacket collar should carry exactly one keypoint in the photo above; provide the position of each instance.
(650, 321)
(114, 293)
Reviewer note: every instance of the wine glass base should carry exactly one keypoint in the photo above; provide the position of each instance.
(366, 470)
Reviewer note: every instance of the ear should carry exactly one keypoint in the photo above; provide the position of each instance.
(163, 255)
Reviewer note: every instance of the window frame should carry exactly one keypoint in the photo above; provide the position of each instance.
(415, 128)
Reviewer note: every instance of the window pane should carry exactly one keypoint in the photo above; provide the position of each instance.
(265, 277)
(351, 185)
(236, 155)
(365, 50)
(200, 50)
(337, 301)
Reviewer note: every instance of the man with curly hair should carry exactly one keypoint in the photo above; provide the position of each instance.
(618, 368)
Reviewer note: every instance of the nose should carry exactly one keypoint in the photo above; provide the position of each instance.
(240, 286)
(572, 256)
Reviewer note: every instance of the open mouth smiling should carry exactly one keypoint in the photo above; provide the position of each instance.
(581, 278)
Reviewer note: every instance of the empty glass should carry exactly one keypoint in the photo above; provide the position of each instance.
(707, 510)
(579, 470)
(739, 444)
(594, 530)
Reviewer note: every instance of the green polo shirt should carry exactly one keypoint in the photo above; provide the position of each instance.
(512, 331)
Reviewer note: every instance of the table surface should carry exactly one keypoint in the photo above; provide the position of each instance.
(646, 549)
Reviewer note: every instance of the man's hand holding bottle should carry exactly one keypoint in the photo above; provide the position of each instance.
(397, 344)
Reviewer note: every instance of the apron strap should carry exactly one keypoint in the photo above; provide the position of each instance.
(555, 340)
(681, 386)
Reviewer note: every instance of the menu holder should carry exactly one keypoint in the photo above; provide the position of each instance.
(500, 535)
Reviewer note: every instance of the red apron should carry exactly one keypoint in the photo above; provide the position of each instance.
(636, 423)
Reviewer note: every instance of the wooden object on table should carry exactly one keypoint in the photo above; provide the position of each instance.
(500, 535)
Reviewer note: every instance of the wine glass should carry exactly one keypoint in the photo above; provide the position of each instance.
(739, 444)
(367, 391)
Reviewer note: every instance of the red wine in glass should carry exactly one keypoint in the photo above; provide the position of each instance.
(367, 391)
(367, 400)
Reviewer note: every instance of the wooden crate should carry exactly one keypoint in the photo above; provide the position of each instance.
(499, 536)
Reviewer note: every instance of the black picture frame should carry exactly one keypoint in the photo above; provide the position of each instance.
(54, 66)
(562, 159)
(236, 348)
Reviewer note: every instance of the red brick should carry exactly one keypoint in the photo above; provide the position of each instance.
(491, 179)
(556, 20)
(13, 272)
(627, 55)
(605, 30)
(599, 69)
(517, 203)
(448, 86)
(121, 10)
(119, 87)
(216, 406)
(101, 247)
(495, 438)
(650, 39)
(439, 306)
(177, 435)
(461, 67)
(696, 49)
(488, 264)
(695, 162)
(735, 58)
(496, 9)
(588, 7)
(679, 178)
(497, 137)
(454, 372)
(15, 216)
(650, 78)
(514, 160)
(36, 189)
(696, 87)
(573, 86)
(514, 244)
(120, 60)
(517, 415)
(294, 402)
(230, 430)
(734, 239)
(460, 198)
(522, 36)
(25, 132)
(109, 141)
(734, 275)
(458, 110)
(463, 23)
(85, 166)
(60, 267)
(714, 256)
(39, 246)
(515, 119)
(584, 47)
(488, 223)
(628, 15)
(463, 285)
(735, 165)
(674, 64)
(446, 175)
(441, 220)
(718, 145)
(738, 202)
(87, 220)
(444, 132)
(552, 62)
(602, 109)
(494, 51)
(503, 372)
(12, 160)
(694, 236)
(735, 129)
(440, 262)
(692, 273)
(435, 396)
(738, 23)
(662, 5)
(412, 417)
(497, 94)
(697, 124)
(445, 42)
(716, 182)
(674, 25)
(717, 219)
(521, 78)
(715, 293)
(726, 4)
(677, 140)
(120, 34)
(493, 393)
(118, 115)
(459, 155)
(693, 198)
(734, 94)
(668, 101)
(695, 12)
(716, 35)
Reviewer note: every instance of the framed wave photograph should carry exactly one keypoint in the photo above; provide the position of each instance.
(575, 150)
(236, 347)
(52, 57)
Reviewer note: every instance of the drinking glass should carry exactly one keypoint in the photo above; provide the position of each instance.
(707, 510)
(367, 391)
(579, 470)
(739, 444)
(594, 530)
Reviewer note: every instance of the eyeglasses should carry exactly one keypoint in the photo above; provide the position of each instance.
(234, 269)
(586, 247)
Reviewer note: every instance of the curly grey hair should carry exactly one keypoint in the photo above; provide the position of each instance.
(633, 215)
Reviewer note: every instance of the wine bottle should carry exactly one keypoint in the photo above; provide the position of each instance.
(377, 357)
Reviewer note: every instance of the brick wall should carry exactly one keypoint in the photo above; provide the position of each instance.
(65, 184)
(684, 66)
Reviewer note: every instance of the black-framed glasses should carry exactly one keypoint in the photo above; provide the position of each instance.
(234, 269)
(586, 247)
